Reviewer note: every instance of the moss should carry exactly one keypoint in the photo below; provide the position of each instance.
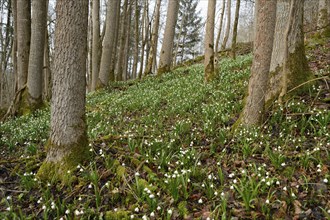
(56, 169)
(121, 171)
(209, 72)
(118, 215)
(163, 69)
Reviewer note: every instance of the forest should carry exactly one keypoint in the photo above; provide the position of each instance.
(164, 109)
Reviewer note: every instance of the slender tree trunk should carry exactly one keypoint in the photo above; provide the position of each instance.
(154, 39)
(178, 40)
(143, 37)
(233, 43)
(14, 48)
(36, 57)
(108, 42)
(165, 59)
(136, 43)
(220, 26)
(23, 40)
(254, 107)
(297, 66)
(68, 144)
(47, 70)
(120, 65)
(209, 72)
(225, 39)
(127, 44)
(96, 43)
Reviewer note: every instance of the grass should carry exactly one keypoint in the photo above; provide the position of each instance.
(163, 149)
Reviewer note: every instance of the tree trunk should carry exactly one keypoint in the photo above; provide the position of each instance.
(14, 49)
(23, 40)
(154, 40)
(136, 43)
(165, 59)
(123, 34)
(96, 43)
(323, 22)
(127, 44)
(36, 57)
(209, 72)
(108, 43)
(225, 39)
(254, 107)
(220, 26)
(68, 144)
(47, 70)
(115, 53)
(297, 67)
(143, 37)
(233, 43)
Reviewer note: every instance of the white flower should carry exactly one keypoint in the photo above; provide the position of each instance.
(284, 188)
(67, 211)
(144, 217)
(277, 182)
(169, 211)
(268, 183)
(293, 195)
(90, 186)
(43, 207)
(159, 208)
(8, 209)
(137, 174)
(200, 201)
(76, 212)
(234, 181)
(132, 216)
(267, 201)
(325, 180)
(283, 164)
(215, 193)
(152, 214)
(136, 209)
(222, 194)
(151, 196)
(209, 177)
(231, 187)
(8, 197)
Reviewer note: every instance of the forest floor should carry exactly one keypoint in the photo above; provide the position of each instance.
(163, 149)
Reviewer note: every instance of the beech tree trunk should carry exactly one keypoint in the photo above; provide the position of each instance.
(68, 144)
(123, 34)
(220, 26)
(225, 39)
(297, 67)
(144, 29)
(36, 57)
(136, 38)
(233, 43)
(154, 40)
(96, 43)
(165, 59)
(23, 40)
(323, 22)
(254, 107)
(209, 72)
(108, 43)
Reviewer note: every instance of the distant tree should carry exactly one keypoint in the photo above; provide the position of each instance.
(323, 22)
(233, 42)
(166, 52)
(209, 72)
(226, 37)
(254, 106)
(109, 43)
(96, 43)
(187, 34)
(68, 143)
(220, 25)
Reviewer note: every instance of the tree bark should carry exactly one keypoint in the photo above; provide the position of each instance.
(225, 39)
(136, 42)
(209, 72)
(165, 59)
(220, 26)
(96, 43)
(68, 144)
(323, 22)
(143, 36)
(36, 57)
(154, 40)
(254, 107)
(297, 67)
(233, 43)
(23, 40)
(123, 34)
(108, 43)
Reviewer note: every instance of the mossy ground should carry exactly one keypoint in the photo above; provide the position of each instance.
(162, 148)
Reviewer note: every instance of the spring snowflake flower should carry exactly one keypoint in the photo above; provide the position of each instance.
(144, 217)
(67, 211)
(132, 216)
(158, 208)
(267, 201)
(170, 211)
(152, 214)
(200, 201)
(284, 188)
(8, 209)
(325, 180)
(136, 209)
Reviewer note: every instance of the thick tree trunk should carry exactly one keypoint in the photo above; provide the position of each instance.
(165, 59)
(225, 39)
(154, 40)
(209, 72)
(36, 57)
(23, 40)
(220, 25)
(115, 53)
(233, 43)
(297, 67)
(254, 107)
(323, 22)
(68, 144)
(96, 43)
(108, 43)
